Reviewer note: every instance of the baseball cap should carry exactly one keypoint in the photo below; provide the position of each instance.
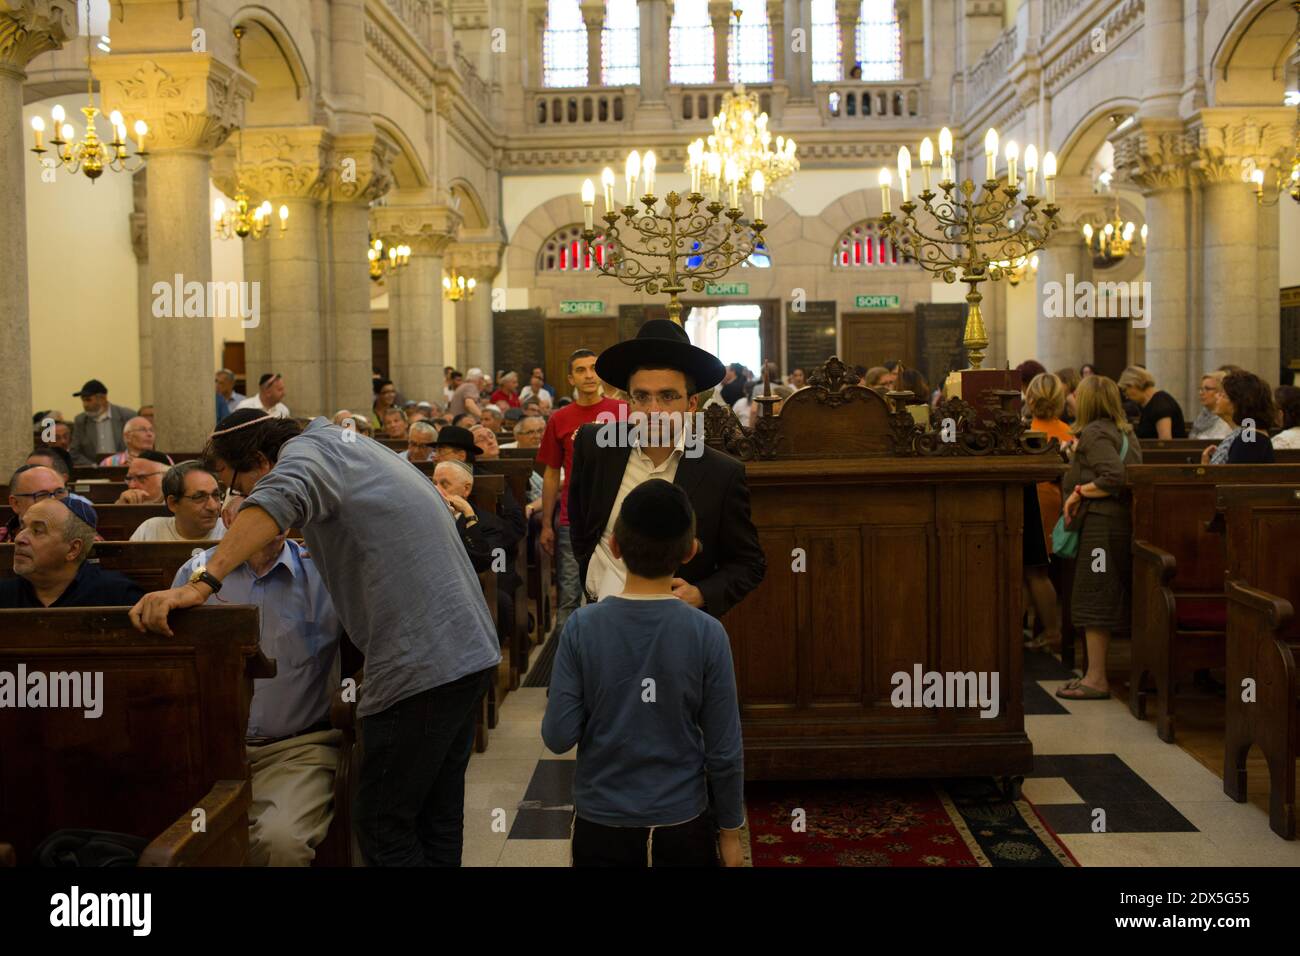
(93, 387)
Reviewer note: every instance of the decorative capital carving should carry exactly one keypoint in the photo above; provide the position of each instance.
(593, 13)
(476, 256)
(428, 230)
(362, 167)
(1228, 144)
(1153, 155)
(29, 28)
(191, 101)
(277, 162)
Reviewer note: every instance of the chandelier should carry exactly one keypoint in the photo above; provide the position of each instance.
(1113, 242)
(91, 155)
(396, 258)
(952, 244)
(1290, 185)
(740, 135)
(665, 248)
(244, 220)
(456, 287)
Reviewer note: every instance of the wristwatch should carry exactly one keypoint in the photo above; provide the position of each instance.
(200, 576)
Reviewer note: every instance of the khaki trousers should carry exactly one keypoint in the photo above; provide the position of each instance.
(293, 798)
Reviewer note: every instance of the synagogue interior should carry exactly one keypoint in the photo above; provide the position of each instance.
(330, 329)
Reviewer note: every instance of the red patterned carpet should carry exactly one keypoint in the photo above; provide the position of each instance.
(896, 823)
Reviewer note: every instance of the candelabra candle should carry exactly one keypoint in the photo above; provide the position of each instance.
(927, 160)
(757, 186)
(648, 165)
(884, 190)
(991, 154)
(945, 155)
(632, 171)
(1049, 178)
(607, 184)
(588, 203)
(38, 127)
(715, 176)
(904, 171)
(1013, 154)
(1031, 169)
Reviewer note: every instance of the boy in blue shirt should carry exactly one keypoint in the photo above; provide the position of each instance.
(643, 683)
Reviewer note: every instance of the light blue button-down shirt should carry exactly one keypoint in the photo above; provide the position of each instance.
(299, 631)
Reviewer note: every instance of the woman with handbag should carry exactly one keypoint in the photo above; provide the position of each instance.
(1096, 527)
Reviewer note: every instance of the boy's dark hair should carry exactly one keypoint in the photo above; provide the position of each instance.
(655, 528)
(380, 383)
(237, 442)
(60, 458)
(1251, 399)
(173, 482)
(1288, 400)
(577, 354)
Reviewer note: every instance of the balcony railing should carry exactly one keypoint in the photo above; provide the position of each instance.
(582, 106)
(1056, 12)
(863, 102)
(699, 104)
(476, 88)
(991, 69)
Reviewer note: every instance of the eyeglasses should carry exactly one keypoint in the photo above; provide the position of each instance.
(201, 496)
(144, 477)
(1209, 388)
(36, 496)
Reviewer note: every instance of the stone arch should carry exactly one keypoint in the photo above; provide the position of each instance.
(1249, 50)
(408, 169)
(271, 55)
(473, 212)
(1087, 135)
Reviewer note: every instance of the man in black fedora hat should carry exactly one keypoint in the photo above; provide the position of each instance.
(662, 372)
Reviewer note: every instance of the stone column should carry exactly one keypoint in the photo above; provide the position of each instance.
(720, 16)
(593, 16)
(478, 257)
(1162, 58)
(415, 311)
(191, 104)
(359, 173)
(27, 28)
(144, 294)
(287, 166)
(846, 11)
(1062, 339)
(780, 42)
(798, 64)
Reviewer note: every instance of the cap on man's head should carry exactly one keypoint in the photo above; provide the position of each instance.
(267, 378)
(82, 508)
(93, 387)
(658, 510)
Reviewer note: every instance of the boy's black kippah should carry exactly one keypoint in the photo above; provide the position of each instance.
(657, 509)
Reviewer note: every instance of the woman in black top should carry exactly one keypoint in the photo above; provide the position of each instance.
(1247, 402)
(1161, 415)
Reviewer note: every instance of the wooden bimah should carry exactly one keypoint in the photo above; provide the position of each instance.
(894, 559)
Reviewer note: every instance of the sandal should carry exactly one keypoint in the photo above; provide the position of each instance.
(1084, 691)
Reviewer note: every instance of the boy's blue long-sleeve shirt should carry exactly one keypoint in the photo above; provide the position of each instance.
(645, 688)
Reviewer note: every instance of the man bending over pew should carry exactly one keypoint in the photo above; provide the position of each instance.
(292, 750)
(50, 555)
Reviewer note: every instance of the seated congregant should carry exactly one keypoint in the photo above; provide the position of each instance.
(194, 499)
(1208, 424)
(1288, 402)
(269, 397)
(50, 565)
(394, 423)
(52, 457)
(486, 440)
(144, 479)
(292, 750)
(419, 442)
(1246, 402)
(492, 418)
(480, 534)
(30, 484)
(138, 436)
(1161, 415)
(97, 431)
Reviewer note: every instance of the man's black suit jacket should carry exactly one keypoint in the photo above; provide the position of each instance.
(730, 563)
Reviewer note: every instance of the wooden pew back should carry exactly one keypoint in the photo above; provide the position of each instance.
(174, 717)
(1262, 534)
(116, 522)
(152, 564)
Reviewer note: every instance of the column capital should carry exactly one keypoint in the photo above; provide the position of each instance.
(427, 229)
(361, 168)
(191, 101)
(847, 9)
(478, 257)
(719, 12)
(276, 162)
(29, 28)
(1154, 154)
(1227, 144)
(593, 13)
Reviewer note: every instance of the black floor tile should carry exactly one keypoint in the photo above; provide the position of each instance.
(1105, 782)
(541, 825)
(551, 785)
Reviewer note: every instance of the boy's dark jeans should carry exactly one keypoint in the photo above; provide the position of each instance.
(411, 795)
(694, 843)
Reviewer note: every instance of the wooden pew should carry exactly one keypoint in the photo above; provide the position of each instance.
(152, 564)
(116, 522)
(485, 498)
(170, 738)
(1263, 586)
(1179, 611)
(99, 492)
(84, 472)
(517, 474)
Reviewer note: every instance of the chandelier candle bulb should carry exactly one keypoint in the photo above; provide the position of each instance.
(991, 154)
(607, 184)
(284, 218)
(1013, 155)
(884, 189)
(945, 155)
(1049, 177)
(219, 211)
(588, 202)
(927, 160)
(1031, 169)
(1257, 177)
(68, 132)
(38, 127)
(904, 171)
(648, 164)
(631, 172)
(57, 114)
(715, 176)
(757, 187)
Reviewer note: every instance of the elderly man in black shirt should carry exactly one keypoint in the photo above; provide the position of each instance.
(50, 555)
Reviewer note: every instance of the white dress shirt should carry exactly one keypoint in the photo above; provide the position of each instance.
(164, 529)
(607, 574)
(278, 410)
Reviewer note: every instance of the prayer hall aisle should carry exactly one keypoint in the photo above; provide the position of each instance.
(1162, 806)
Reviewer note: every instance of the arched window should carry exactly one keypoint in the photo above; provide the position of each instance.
(825, 42)
(864, 245)
(690, 44)
(752, 63)
(564, 45)
(620, 44)
(565, 251)
(879, 42)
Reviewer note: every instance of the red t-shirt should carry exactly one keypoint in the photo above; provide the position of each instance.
(556, 450)
(501, 395)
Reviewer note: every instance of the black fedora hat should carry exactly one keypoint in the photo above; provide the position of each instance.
(453, 436)
(661, 343)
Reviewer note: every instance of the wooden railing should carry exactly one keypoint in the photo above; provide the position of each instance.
(855, 101)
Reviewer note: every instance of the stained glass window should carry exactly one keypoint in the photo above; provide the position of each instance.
(620, 44)
(690, 44)
(863, 246)
(752, 63)
(565, 251)
(564, 45)
(879, 42)
(825, 42)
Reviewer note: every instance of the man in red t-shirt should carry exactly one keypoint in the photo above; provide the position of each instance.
(556, 453)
